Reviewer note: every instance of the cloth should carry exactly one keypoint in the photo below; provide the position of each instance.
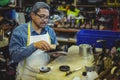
(17, 46)
(73, 13)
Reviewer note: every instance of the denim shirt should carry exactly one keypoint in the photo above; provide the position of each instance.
(17, 46)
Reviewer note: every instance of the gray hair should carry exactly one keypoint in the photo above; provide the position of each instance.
(39, 5)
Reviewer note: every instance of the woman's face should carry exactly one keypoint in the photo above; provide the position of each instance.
(40, 19)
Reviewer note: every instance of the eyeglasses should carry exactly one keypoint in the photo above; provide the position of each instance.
(43, 17)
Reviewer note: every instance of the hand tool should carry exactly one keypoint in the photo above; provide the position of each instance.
(70, 72)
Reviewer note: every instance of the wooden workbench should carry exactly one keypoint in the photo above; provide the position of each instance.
(4, 42)
(72, 59)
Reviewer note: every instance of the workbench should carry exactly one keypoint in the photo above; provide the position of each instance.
(73, 59)
(4, 42)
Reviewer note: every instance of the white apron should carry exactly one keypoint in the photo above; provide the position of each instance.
(27, 69)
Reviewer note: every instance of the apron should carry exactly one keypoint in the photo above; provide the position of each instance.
(28, 68)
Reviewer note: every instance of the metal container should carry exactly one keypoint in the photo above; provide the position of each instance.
(85, 50)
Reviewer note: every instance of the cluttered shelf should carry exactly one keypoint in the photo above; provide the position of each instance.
(65, 30)
(69, 40)
(7, 8)
(66, 35)
(93, 6)
(86, 5)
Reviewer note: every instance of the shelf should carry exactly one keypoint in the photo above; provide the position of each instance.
(66, 35)
(86, 5)
(29, 5)
(67, 41)
(108, 6)
(91, 12)
(7, 8)
(118, 5)
(65, 30)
